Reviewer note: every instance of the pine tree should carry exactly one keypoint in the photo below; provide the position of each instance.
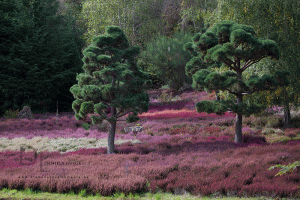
(39, 55)
(237, 47)
(197, 62)
(111, 79)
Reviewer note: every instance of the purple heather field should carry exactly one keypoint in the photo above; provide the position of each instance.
(179, 150)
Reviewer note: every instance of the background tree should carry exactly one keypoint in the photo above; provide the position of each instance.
(279, 21)
(236, 46)
(40, 58)
(98, 14)
(140, 20)
(111, 79)
(195, 13)
(7, 33)
(74, 9)
(166, 58)
(171, 16)
(282, 96)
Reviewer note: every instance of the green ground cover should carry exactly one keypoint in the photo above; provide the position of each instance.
(29, 194)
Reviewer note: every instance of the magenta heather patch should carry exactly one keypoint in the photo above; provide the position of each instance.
(142, 138)
(173, 156)
(92, 151)
(254, 139)
(179, 170)
(248, 130)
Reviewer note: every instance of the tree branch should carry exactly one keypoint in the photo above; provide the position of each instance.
(229, 64)
(124, 114)
(235, 93)
(248, 64)
(121, 110)
(250, 92)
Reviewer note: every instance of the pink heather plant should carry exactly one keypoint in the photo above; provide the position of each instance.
(154, 100)
(248, 130)
(188, 160)
(233, 168)
(167, 114)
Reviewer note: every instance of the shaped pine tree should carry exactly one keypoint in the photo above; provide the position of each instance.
(197, 62)
(111, 79)
(237, 47)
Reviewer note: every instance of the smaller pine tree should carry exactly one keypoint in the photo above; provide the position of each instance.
(236, 47)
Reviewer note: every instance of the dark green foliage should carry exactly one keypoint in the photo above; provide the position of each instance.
(111, 80)
(198, 49)
(40, 56)
(220, 107)
(237, 47)
(156, 81)
(166, 58)
(86, 126)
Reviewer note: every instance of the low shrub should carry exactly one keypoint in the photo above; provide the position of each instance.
(268, 131)
(295, 121)
(224, 122)
(186, 87)
(248, 121)
(248, 130)
(291, 133)
(254, 139)
(156, 81)
(25, 112)
(260, 122)
(164, 97)
(11, 114)
(274, 122)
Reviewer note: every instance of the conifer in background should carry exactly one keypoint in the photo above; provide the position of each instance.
(166, 58)
(39, 55)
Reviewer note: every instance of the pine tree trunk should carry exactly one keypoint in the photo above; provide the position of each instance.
(286, 109)
(111, 138)
(239, 116)
(238, 128)
(113, 124)
(238, 123)
(287, 115)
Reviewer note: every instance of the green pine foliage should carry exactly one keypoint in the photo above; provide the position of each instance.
(111, 79)
(39, 55)
(166, 58)
(235, 46)
(156, 81)
(286, 168)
